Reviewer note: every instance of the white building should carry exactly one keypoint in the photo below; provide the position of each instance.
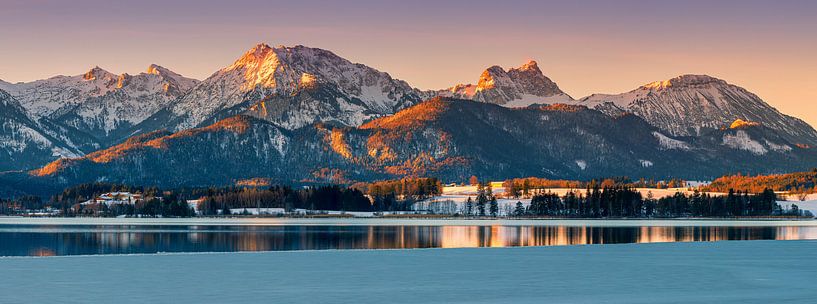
(194, 204)
(115, 198)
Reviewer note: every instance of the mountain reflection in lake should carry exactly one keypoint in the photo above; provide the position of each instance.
(26, 240)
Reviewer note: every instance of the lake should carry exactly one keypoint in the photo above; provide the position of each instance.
(24, 237)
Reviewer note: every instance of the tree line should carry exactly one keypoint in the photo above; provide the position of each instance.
(598, 199)
(485, 197)
(400, 194)
(798, 182)
(329, 197)
(620, 201)
(526, 187)
(388, 195)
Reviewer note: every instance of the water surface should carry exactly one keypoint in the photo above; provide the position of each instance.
(49, 240)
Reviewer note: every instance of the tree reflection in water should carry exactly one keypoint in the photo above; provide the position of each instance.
(73, 240)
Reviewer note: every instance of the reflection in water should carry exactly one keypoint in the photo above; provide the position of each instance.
(73, 240)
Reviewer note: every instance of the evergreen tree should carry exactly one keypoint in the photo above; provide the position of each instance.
(482, 199)
(519, 210)
(494, 207)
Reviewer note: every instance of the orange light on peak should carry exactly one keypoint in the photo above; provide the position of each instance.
(658, 85)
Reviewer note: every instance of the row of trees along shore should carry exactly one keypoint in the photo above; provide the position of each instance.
(627, 202)
(392, 195)
(485, 197)
(401, 194)
(596, 199)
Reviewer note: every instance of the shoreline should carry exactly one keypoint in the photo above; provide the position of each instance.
(283, 221)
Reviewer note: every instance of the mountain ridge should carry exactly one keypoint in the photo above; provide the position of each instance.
(23, 143)
(688, 103)
(448, 138)
(340, 90)
(297, 87)
(517, 87)
(98, 108)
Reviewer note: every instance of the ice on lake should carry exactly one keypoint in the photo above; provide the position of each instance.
(708, 272)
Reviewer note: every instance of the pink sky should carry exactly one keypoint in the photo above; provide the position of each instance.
(587, 47)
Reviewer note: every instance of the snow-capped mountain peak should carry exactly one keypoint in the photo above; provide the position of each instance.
(350, 93)
(98, 102)
(173, 83)
(689, 104)
(258, 66)
(530, 65)
(259, 51)
(688, 80)
(516, 87)
(491, 78)
(97, 73)
(155, 69)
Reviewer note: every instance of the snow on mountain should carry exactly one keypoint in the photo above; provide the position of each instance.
(98, 102)
(293, 87)
(668, 143)
(741, 140)
(134, 98)
(22, 142)
(516, 87)
(173, 80)
(43, 98)
(448, 138)
(691, 104)
(313, 85)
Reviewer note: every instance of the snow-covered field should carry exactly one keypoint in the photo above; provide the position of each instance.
(810, 203)
(499, 191)
(716, 272)
(458, 195)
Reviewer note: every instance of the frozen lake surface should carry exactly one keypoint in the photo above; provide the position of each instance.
(49, 237)
(705, 272)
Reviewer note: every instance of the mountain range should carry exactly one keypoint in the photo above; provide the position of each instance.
(306, 114)
(98, 109)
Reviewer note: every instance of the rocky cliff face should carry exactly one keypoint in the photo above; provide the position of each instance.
(516, 87)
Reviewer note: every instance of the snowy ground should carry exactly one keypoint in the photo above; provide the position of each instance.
(499, 191)
(716, 272)
(458, 195)
(809, 204)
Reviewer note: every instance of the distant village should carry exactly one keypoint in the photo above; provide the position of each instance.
(526, 197)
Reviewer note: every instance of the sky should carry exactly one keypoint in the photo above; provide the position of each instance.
(767, 47)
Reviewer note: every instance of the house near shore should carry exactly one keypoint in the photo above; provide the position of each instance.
(115, 198)
(194, 204)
